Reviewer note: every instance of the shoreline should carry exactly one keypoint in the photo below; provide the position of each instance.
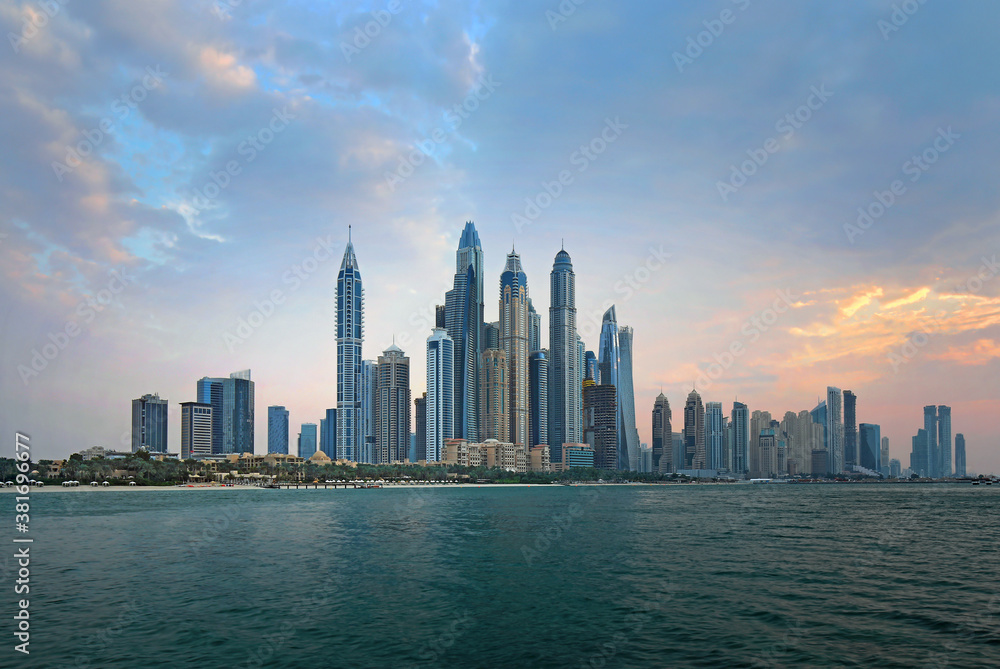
(423, 486)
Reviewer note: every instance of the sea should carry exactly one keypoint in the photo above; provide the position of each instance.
(835, 575)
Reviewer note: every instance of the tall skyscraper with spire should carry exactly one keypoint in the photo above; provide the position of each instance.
(565, 369)
(350, 333)
(514, 343)
(464, 308)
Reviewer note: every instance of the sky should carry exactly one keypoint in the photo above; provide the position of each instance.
(777, 196)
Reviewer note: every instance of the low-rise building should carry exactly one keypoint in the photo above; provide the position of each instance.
(574, 456)
(539, 459)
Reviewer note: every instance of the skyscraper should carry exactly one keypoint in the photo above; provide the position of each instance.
(534, 329)
(494, 395)
(626, 398)
(870, 454)
(464, 308)
(232, 403)
(328, 435)
(209, 391)
(933, 452)
(944, 441)
(614, 368)
(884, 454)
(392, 407)
(277, 429)
(694, 432)
(835, 429)
(491, 335)
(715, 437)
(307, 440)
(960, 468)
(366, 411)
(196, 429)
(440, 393)
(662, 431)
(538, 398)
(919, 460)
(851, 455)
(350, 334)
(741, 438)
(565, 391)
(590, 366)
(600, 423)
(420, 431)
(149, 424)
(514, 342)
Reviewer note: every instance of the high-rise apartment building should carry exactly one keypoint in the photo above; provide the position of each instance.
(741, 438)
(494, 395)
(663, 461)
(514, 342)
(277, 430)
(232, 403)
(960, 468)
(420, 428)
(307, 440)
(933, 452)
(835, 429)
(440, 393)
(715, 437)
(626, 397)
(565, 403)
(392, 407)
(694, 432)
(870, 454)
(149, 424)
(196, 429)
(328, 435)
(944, 441)
(538, 398)
(600, 423)
(851, 455)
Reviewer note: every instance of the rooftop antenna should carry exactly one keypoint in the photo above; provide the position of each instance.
(348, 233)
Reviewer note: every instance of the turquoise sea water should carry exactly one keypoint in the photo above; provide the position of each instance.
(700, 576)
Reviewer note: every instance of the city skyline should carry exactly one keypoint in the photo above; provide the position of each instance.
(151, 260)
